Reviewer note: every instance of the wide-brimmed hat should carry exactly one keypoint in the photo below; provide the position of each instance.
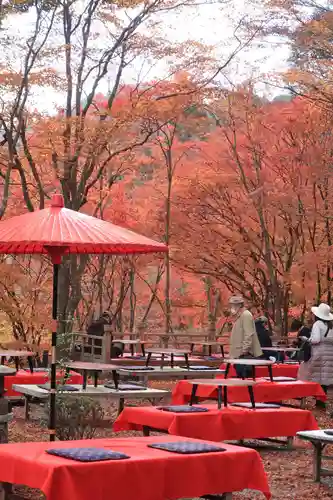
(236, 300)
(323, 311)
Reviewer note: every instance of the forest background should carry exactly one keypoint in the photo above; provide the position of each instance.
(237, 185)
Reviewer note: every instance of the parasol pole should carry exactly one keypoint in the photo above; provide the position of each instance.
(52, 423)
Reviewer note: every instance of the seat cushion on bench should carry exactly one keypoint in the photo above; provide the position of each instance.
(87, 454)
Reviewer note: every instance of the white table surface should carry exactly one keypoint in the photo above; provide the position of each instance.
(229, 382)
(316, 435)
(249, 362)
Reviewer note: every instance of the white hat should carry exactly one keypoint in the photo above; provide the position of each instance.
(323, 311)
(236, 300)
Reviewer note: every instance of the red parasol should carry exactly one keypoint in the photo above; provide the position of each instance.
(58, 231)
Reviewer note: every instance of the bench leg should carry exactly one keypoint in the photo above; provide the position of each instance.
(290, 442)
(318, 449)
(145, 431)
(5, 490)
(27, 408)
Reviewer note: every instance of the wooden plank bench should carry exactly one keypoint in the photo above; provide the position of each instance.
(319, 441)
(34, 393)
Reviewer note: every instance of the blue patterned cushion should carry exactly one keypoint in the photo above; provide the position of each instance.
(60, 388)
(210, 358)
(199, 367)
(329, 432)
(87, 454)
(37, 370)
(259, 406)
(183, 409)
(187, 447)
(136, 368)
(126, 387)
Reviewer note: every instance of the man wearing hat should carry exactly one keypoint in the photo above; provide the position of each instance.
(244, 340)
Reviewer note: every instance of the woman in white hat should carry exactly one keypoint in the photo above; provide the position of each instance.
(319, 366)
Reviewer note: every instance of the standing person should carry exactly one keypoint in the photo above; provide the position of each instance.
(319, 367)
(244, 341)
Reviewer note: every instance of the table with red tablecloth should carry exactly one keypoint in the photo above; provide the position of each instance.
(35, 378)
(149, 474)
(264, 391)
(279, 370)
(229, 423)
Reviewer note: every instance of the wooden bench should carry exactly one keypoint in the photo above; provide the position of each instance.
(181, 338)
(33, 393)
(319, 440)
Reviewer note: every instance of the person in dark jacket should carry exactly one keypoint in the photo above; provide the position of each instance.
(264, 336)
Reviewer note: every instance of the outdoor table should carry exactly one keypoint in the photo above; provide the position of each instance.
(264, 391)
(209, 345)
(286, 369)
(319, 441)
(149, 474)
(219, 383)
(131, 344)
(168, 351)
(231, 423)
(95, 368)
(250, 362)
(25, 377)
(33, 391)
(282, 350)
(168, 373)
(16, 355)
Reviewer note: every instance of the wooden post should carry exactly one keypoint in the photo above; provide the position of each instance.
(106, 347)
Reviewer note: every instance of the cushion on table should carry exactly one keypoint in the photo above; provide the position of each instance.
(183, 409)
(37, 370)
(329, 432)
(198, 367)
(126, 387)
(210, 358)
(65, 387)
(87, 454)
(281, 379)
(186, 447)
(259, 406)
(135, 368)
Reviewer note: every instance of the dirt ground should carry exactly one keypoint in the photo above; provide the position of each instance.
(289, 471)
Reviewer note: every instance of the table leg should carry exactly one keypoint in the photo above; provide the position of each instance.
(143, 350)
(5, 490)
(193, 393)
(145, 431)
(84, 379)
(270, 371)
(172, 364)
(148, 359)
(3, 358)
(192, 348)
(253, 372)
(222, 350)
(121, 405)
(30, 363)
(318, 449)
(17, 364)
(115, 379)
(187, 361)
(225, 396)
(219, 397)
(227, 368)
(251, 393)
(209, 350)
(162, 361)
(95, 379)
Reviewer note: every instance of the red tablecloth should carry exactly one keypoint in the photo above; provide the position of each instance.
(218, 425)
(263, 392)
(279, 370)
(148, 475)
(24, 377)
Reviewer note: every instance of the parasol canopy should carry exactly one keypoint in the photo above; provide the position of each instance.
(58, 231)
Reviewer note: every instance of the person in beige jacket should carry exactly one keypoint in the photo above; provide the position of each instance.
(244, 341)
